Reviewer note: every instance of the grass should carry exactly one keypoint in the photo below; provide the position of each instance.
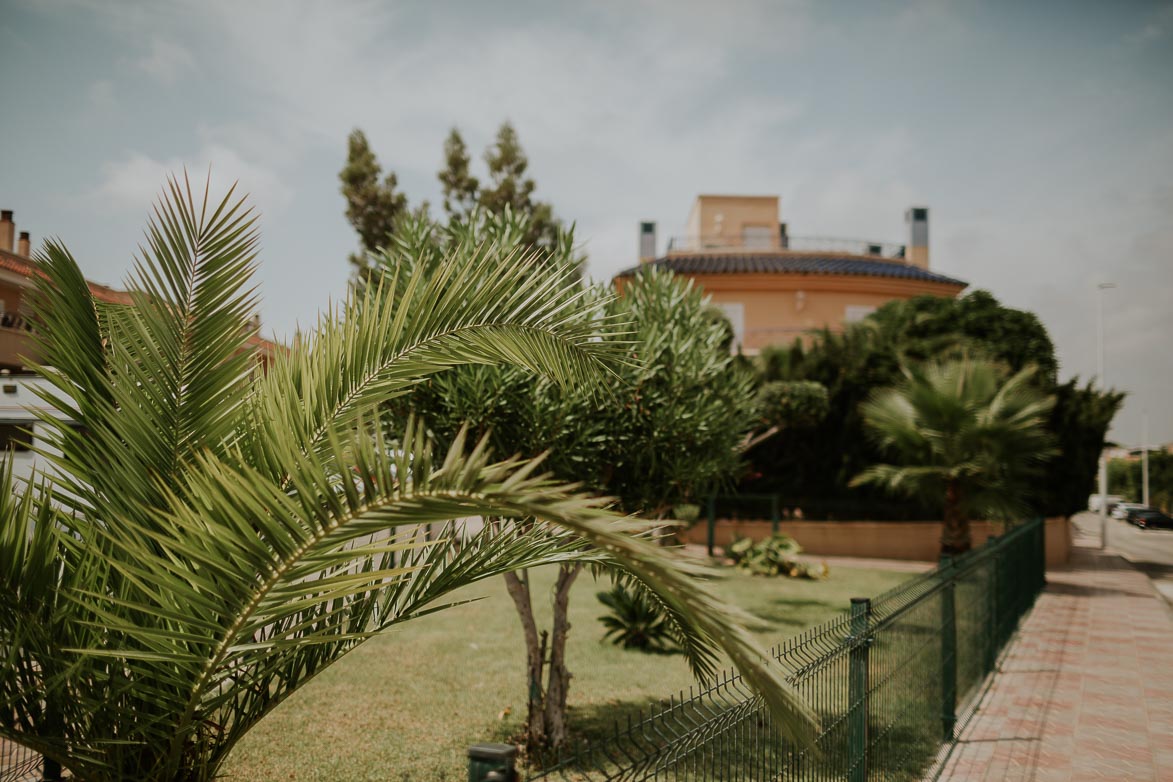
(407, 705)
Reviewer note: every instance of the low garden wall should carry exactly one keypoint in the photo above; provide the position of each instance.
(912, 540)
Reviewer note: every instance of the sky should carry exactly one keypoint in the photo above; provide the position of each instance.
(1040, 135)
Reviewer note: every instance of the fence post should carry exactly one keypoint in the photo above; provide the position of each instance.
(948, 649)
(1041, 561)
(857, 742)
(712, 523)
(992, 604)
(775, 515)
(50, 770)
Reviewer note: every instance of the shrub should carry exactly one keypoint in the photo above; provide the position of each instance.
(636, 621)
(777, 555)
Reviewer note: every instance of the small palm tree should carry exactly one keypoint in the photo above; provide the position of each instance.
(967, 439)
(214, 536)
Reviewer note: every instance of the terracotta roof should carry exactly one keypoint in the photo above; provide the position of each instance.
(793, 263)
(22, 266)
(104, 293)
(15, 263)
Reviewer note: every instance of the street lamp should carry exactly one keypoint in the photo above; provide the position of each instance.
(1103, 286)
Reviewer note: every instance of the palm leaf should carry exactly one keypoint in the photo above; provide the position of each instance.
(221, 539)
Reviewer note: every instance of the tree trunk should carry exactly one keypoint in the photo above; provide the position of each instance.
(535, 658)
(955, 538)
(559, 677)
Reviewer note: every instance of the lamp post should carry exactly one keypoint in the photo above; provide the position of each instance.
(1103, 286)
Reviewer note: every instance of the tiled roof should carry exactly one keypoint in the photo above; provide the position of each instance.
(793, 263)
(20, 265)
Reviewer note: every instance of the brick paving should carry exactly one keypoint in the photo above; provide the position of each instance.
(1085, 692)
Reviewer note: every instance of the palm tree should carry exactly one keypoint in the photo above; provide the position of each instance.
(214, 536)
(966, 438)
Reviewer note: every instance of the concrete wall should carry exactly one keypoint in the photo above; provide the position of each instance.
(719, 219)
(908, 540)
(780, 307)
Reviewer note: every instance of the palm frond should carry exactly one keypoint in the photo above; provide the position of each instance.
(217, 540)
(473, 309)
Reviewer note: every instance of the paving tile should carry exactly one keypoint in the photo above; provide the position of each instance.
(1085, 692)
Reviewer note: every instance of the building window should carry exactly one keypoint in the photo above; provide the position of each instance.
(857, 312)
(16, 437)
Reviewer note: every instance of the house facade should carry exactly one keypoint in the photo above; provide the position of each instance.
(18, 351)
(775, 287)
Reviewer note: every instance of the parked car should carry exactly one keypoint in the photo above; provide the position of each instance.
(1151, 518)
(1093, 502)
(1121, 511)
(1130, 516)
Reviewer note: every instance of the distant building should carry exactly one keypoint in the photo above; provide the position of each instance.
(18, 381)
(773, 286)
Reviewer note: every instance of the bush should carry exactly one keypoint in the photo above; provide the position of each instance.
(636, 621)
(776, 555)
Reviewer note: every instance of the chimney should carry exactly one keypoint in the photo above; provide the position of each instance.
(647, 242)
(22, 247)
(918, 236)
(7, 230)
(783, 236)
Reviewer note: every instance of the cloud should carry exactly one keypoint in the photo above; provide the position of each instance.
(138, 179)
(101, 98)
(166, 61)
(1155, 29)
(1037, 155)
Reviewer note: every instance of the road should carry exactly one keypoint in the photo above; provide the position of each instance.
(1150, 550)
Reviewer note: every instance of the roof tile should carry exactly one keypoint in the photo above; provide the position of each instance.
(792, 263)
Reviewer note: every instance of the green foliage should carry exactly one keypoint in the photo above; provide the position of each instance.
(378, 212)
(666, 430)
(814, 467)
(636, 621)
(936, 328)
(1125, 478)
(819, 461)
(373, 207)
(460, 187)
(1079, 423)
(684, 404)
(509, 188)
(216, 537)
(776, 555)
(792, 404)
(964, 437)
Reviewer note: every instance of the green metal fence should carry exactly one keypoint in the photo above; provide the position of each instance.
(18, 763)
(893, 680)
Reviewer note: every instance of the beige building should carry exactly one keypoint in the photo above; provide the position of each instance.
(774, 287)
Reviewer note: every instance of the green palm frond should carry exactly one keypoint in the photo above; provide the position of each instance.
(216, 539)
(474, 309)
(158, 381)
(960, 421)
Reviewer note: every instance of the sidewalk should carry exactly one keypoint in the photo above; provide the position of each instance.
(1085, 691)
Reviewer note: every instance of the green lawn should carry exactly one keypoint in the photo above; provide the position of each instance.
(407, 705)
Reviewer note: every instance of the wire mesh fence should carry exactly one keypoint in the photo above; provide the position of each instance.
(18, 763)
(892, 680)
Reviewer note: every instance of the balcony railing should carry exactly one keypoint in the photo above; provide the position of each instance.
(805, 244)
